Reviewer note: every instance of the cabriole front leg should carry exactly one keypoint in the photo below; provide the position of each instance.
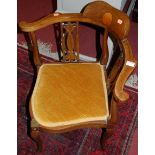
(35, 135)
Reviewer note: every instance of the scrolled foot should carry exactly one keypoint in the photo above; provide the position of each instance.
(35, 134)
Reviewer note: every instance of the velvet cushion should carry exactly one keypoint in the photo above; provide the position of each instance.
(66, 94)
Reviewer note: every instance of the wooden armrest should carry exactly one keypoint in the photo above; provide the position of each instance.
(128, 67)
(48, 20)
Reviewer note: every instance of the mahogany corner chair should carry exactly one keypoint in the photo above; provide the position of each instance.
(72, 94)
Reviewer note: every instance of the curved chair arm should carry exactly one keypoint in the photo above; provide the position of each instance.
(56, 18)
(128, 66)
(118, 24)
(46, 21)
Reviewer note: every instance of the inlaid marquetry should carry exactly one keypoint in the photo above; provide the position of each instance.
(70, 41)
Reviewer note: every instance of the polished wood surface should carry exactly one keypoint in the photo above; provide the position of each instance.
(105, 52)
(51, 19)
(118, 23)
(35, 50)
(113, 22)
(119, 93)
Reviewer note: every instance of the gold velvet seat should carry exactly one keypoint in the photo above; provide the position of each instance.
(67, 94)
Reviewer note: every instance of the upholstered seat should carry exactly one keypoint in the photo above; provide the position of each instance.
(68, 94)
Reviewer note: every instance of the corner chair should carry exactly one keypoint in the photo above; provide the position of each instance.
(72, 94)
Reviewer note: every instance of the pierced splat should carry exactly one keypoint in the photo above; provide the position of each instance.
(70, 41)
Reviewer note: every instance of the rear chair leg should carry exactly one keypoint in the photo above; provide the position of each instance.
(35, 134)
(102, 136)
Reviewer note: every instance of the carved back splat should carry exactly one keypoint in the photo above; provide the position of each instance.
(70, 41)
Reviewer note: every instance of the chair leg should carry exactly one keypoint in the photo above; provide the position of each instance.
(35, 134)
(103, 134)
(106, 133)
(109, 131)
